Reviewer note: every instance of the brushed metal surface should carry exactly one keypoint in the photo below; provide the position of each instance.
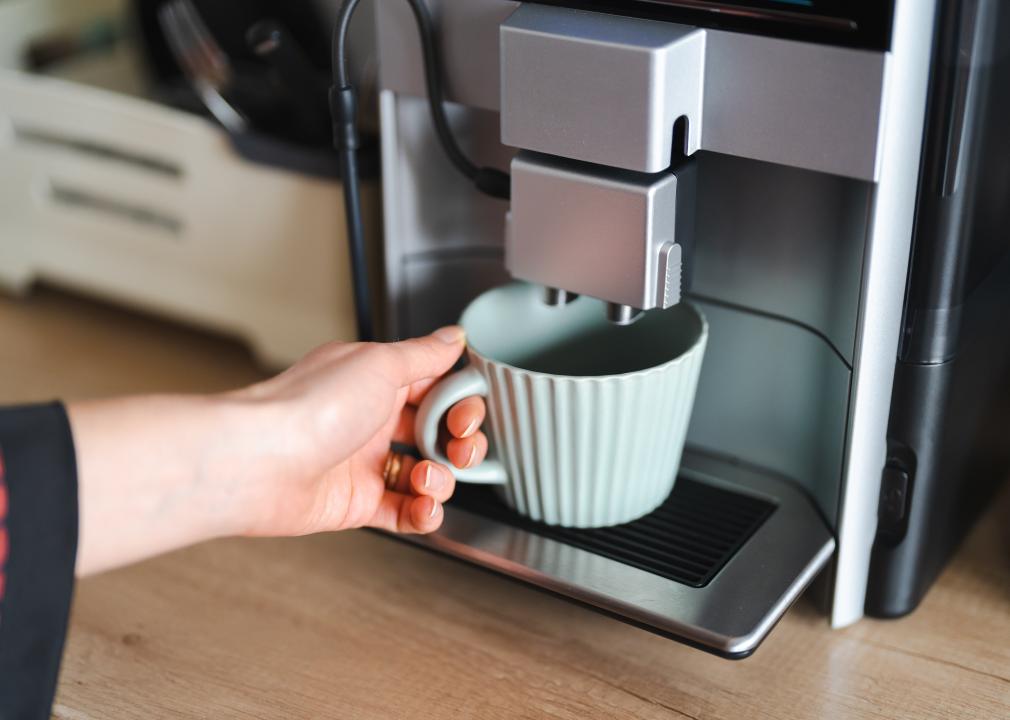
(809, 106)
(782, 241)
(570, 77)
(730, 615)
(597, 231)
(468, 36)
(806, 105)
(775, 395)
(430, 299)
(434, 219)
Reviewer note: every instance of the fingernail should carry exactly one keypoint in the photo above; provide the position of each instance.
(469, 429)
(434, 508)
(434, 477)
(473, 454)
(450, 335)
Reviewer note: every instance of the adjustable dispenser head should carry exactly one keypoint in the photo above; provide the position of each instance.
(593, 100)
(612, 234)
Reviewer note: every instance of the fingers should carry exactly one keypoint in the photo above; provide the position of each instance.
(463, 420)
(427, 357)
(432, 479)
(465, 417)
(403, 512)
(402, 482)
(408, 513)
(417, 390)
(467, 452)
(404, 430)
(424, 477)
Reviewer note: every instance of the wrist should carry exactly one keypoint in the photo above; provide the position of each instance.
(232, 470)
(152, 476)
(247, 457)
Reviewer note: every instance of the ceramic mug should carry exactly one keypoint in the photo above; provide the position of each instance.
(587, 419)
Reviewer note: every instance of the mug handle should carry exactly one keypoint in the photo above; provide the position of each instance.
(436, 403)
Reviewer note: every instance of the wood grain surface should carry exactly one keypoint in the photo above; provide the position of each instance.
(356, 625)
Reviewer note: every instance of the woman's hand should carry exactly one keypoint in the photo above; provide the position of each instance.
(302, 452)
(333, 417)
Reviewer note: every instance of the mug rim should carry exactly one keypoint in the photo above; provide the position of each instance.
(696, 346)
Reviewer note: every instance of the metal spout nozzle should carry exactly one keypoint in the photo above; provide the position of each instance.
(556, 296)
(622, 314)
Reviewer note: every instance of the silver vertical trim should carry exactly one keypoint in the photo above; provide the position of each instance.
(885, 267)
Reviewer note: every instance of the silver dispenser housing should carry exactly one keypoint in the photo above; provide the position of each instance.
(805, 162)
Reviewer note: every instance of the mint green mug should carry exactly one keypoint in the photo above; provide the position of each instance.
(587, 419)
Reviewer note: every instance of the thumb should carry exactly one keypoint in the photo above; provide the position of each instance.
(429, 356)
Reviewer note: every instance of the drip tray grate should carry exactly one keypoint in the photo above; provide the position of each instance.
(687, 539)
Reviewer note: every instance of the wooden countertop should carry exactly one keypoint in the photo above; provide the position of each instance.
(356, 625)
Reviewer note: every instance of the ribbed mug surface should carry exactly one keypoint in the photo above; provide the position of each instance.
(586, 420)
(590, 451)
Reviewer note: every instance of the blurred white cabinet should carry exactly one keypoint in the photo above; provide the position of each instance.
(143, 204)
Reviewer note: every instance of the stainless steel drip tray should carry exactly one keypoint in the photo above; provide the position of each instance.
(716, 566)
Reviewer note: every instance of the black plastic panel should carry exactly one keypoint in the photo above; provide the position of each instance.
(948, 436)
(862, 24)
(688, 539)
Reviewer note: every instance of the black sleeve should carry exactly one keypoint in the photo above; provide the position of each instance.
(38, 549)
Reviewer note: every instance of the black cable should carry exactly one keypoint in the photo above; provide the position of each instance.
(343, 110)
(356, 236)
(490, 181)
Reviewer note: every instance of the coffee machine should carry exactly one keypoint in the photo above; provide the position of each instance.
(826, 182)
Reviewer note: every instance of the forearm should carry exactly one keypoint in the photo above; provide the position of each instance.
(153, 475)
(302, 452)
